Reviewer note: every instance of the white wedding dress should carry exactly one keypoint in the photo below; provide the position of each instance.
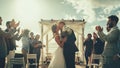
(58, 59)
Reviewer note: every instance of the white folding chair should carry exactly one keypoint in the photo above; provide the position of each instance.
(32, 57)
(17, 61)
(94, 56)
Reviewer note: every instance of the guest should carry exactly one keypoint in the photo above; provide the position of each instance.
(8, 40)
(32, 35)
(11, 42)
(98, 47)
(25, 44)
(37, 46)
(110, 52)
(31, 39)
(88, 43)
(3, 47)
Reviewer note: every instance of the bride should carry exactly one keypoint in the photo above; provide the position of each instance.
(58, 58)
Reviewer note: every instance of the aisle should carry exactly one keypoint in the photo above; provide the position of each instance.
(77, 66)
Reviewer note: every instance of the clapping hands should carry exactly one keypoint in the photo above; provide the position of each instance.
(63, 41)
(99, 28)
(22, 32)
(14, 24)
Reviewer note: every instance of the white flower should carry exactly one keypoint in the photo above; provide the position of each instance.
(69, 30)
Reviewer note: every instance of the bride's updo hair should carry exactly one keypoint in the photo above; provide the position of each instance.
(54, 27)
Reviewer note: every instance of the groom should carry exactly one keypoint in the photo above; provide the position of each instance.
(69, 48)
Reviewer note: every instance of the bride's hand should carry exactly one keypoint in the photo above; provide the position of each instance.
(63, 41)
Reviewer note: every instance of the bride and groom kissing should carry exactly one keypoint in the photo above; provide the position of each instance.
(64, 56)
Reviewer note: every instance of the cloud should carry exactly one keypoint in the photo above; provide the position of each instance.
(118, 14)
(105, 3)
(70, 17)
(101, 18)
(108, 9)
(85, 7)
(108, 5)
(93, 27)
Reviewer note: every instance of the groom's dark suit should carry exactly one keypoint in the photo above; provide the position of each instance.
(69, 50)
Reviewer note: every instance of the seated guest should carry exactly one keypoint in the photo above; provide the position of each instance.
(98, 47)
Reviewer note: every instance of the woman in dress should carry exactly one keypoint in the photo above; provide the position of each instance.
(25, 44)
(58, 58)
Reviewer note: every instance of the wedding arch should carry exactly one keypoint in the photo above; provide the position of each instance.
(47, 36)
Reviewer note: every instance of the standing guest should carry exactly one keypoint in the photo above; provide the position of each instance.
(8, 40)
(25, 44)
(31, 41)
(32, 35)
(98, 47)
(37, 45)
(11, 42)
(88, 43)
(3, 47)
(110, 52)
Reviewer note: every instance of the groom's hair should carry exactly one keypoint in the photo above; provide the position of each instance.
(114, 18)
(61, 22)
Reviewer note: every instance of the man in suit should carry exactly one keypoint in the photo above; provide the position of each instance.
(69, 47)
(11, 42)
(88, 44)
(3, 47)
(111, 50)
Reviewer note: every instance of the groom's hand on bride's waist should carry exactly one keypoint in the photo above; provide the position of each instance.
(61, 46)
(64, 39)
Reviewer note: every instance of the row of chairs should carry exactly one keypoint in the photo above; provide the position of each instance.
(20, 61)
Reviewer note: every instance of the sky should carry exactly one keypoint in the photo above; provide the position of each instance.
(30, 12)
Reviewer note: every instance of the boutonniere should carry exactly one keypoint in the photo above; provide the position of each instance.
(68, 30)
